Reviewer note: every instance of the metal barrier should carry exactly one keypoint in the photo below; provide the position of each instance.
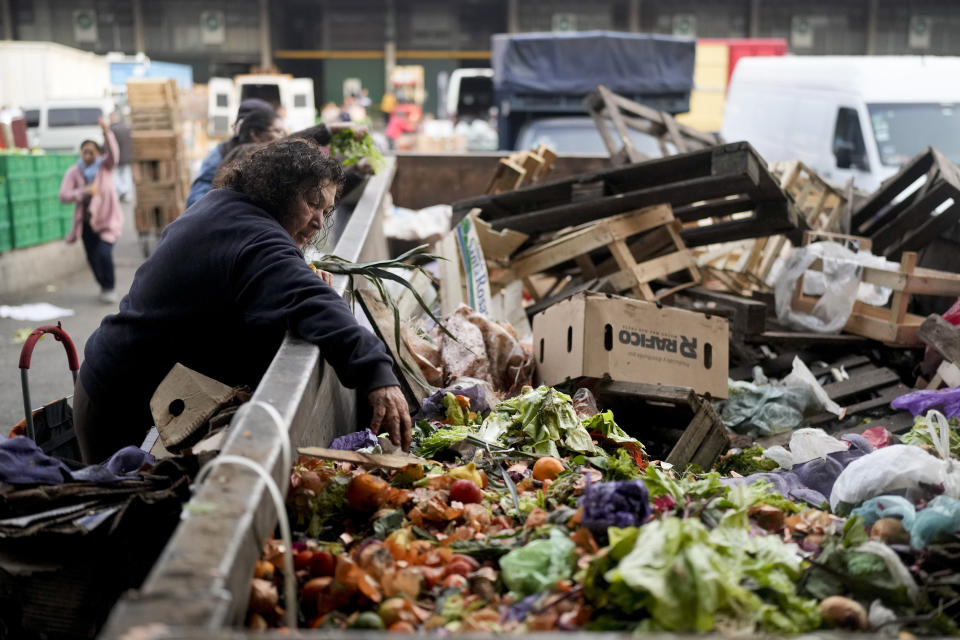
(202, 578)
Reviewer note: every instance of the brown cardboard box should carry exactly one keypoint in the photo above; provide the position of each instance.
(595, 335)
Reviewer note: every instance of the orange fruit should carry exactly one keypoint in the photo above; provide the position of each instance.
(547, 469)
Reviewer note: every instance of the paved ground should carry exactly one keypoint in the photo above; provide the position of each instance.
(49, 376)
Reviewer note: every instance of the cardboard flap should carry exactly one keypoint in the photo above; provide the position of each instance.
(184, 402)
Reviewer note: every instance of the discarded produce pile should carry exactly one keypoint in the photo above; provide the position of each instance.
(544, 514)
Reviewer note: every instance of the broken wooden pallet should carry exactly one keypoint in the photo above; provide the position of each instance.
(607, 108)
(614, 233)
(900, 216)
(522, 168)
(822, 206)
(673, 423)
(893, 325)
(728, 183)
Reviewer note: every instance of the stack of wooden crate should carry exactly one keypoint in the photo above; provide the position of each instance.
(161, 169)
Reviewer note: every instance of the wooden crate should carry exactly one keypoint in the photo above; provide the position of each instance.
(729, 184)
(606, 108)
(822, 207)
(673, 423)
(626, 236)
(156, 145)
(891, 325)
(154, 118)
(520, 169)
(155, 217)
(152, 92)
(898, 219)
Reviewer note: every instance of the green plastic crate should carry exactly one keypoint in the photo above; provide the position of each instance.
(16, 166)
(24, 211)
(46, 163)
(49, 208)
(48, 185)
(66, 225)
(4, 213)
(6, 237)
(22, 188)
(26, 234)
(51, 229)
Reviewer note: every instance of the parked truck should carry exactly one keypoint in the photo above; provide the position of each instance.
(547, 75)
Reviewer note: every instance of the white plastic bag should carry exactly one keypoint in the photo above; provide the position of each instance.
(841, 283)
(805, 445)
(898, 467)
(802, 377)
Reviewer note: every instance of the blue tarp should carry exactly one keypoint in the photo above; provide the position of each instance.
(575, 63)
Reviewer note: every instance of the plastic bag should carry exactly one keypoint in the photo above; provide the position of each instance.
(801, 377)
(766, 409)
(841, 282)
(948, 400)
(887, 507)
(538, 565)
(805, 444)
(941, 518)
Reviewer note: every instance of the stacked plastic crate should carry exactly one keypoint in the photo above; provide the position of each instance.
(30, 209)
(161, 168)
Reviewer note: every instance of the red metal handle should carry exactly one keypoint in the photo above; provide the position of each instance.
(61, 336)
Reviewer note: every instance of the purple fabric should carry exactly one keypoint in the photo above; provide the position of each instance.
(432, 408)
(917, 402)
(614, 504)
(812, 481)
(354, 441)
(23, 462)
(786, 483)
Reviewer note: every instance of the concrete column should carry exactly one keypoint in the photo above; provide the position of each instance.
(7, 19)
(139, 36)
(633, 17)
(754, 28)
(513, 17)
(872, 9)
(266, 52)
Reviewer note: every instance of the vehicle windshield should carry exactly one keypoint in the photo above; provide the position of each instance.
(577, 135)
(904, 130)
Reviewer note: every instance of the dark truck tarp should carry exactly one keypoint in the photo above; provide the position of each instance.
(575, 63)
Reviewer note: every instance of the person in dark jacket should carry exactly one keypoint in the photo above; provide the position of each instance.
(123, 174)
(208, 169)
(223, 287)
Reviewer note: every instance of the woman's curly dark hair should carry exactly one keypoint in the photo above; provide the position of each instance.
(275, 174)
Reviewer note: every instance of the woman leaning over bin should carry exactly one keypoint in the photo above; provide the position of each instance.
(97, 216)
(226, 282)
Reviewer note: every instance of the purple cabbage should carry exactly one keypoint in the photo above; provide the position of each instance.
(355, 441)
(432, 408)
(614, 504)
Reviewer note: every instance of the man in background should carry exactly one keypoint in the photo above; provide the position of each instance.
(123, 174)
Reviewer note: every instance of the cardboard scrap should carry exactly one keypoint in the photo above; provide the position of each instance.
(385, 460)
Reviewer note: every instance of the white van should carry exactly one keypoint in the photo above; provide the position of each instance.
(294, 96)
(843, 116)
(61, 125)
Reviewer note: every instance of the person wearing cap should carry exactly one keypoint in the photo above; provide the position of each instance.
(208, 169)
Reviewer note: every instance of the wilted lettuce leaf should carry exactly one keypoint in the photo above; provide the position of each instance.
(687, 577)
(537, 422)
(442, 438)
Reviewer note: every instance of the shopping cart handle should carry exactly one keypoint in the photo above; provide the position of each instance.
(61, 336)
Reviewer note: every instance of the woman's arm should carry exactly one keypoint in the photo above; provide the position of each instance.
(71, 190)
(111, 151)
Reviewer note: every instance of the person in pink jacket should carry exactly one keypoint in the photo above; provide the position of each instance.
(97, 217)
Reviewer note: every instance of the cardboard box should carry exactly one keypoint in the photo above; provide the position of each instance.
(596, 335)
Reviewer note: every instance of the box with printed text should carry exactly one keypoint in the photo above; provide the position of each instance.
(596, 335)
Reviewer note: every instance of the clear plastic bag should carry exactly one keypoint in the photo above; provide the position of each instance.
(841, 282)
